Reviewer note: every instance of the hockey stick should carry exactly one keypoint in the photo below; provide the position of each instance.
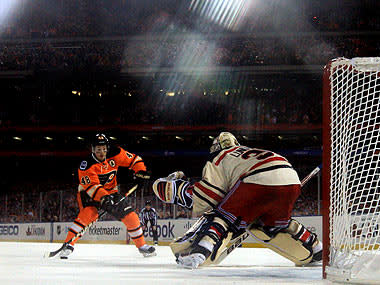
(311, 175)
(81, 233)
(239, 239)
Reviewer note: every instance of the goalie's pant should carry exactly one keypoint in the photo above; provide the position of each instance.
(271, 204)
(269, 208)
(88, 212)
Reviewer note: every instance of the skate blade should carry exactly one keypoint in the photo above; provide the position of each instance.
(149, 254)
(186, 265)
(311, 264)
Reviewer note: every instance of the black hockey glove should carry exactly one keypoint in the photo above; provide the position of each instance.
(116, 205)
(141, 176)
(107, 203)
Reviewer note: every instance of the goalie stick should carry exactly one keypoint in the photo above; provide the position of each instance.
(239, 239)
(81, 233)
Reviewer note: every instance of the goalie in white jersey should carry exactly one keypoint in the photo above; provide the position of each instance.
(240, 187)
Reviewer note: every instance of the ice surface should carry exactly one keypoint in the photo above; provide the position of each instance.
(23, 263)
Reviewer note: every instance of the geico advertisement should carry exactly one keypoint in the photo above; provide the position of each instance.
(9, 230)
(99, 231)
(167, 230)
(39, 231)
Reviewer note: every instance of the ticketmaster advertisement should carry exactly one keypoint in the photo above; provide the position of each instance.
(100, 231)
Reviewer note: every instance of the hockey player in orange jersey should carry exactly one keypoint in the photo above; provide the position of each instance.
(98, 190)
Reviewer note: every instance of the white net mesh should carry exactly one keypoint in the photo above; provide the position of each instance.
(355, 170)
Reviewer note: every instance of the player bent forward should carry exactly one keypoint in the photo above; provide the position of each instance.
(242, 189)
(98, 190)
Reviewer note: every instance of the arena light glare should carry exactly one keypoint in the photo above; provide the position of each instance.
(6, 10)
(229, 14)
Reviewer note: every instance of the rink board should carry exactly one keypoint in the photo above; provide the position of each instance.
(115, 231)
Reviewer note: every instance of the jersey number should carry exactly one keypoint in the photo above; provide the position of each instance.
(85, 180)
(258, 154)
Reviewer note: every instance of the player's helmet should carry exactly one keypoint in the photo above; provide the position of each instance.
(224, 140)
(99, 139)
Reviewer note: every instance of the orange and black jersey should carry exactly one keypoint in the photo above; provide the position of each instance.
(99, 178)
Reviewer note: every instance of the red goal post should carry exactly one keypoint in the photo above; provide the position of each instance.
(351, 170)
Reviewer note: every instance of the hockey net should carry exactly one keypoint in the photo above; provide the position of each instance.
(351, 170)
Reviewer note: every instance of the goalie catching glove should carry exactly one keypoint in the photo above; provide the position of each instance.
(175, 190)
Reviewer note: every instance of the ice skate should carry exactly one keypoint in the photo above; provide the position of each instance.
(147, 250)
(66, 251)
(191, 261)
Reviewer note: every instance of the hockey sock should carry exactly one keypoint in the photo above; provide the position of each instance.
(85, 216)
(132, 222)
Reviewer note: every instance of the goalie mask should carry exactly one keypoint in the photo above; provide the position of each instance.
(224, 140)
(173, 191)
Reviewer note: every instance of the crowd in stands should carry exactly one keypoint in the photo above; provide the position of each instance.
(79, 18)
(61, 206)
(269, 102)
(119, 35)
(182, 53)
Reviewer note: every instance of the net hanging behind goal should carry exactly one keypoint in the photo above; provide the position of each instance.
(351, 170)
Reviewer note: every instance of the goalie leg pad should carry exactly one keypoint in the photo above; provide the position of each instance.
(294, 242)
(211, 232)
(182, 245)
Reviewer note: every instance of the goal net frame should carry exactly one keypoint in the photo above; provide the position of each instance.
(344, 271)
